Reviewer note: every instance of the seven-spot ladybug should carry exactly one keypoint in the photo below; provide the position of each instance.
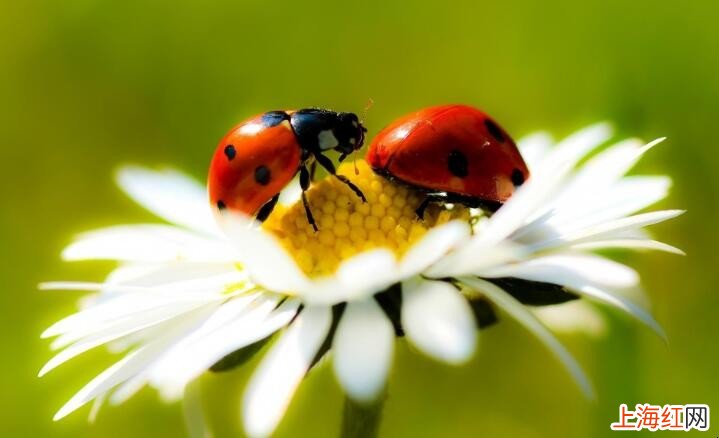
(453, 153)
(260, 156)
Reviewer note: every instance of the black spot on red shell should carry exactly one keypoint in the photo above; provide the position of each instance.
(517, 177)
(262, 175)
(457, 164)
(221, 205)
(274, 118)
(230, 152)
(494, 130)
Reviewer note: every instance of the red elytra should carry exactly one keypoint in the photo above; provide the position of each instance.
(256, 159)
(454, 153)
(246, 150)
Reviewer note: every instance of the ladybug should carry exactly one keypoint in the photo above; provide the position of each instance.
(452, 153)
(256, 159)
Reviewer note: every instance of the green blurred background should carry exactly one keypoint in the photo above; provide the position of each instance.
(86, 85)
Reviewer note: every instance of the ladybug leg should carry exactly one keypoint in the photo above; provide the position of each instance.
(266, 209)
(352, 187)
(327, 164)
(429, 198)
(490, 207)
(305, 184)
(487, 207)
(313, 169)
(423, 206)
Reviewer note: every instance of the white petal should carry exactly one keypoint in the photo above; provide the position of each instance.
(232, 309)
(163, 274)
(638, 244)
(144, 274)
(535, 197)
(171, 195)
(195, 422)
(132, 364)
(369, 266)
(266, 261)
(124, 369)
(625, 197)
(586, 275)
(103, 335)
(609, 229)
(200, 288)
(534, 148)
(519, 312)
(148, 243)
(476, 257)
(271, 387)
(362, 350)
(538, 195)
(195, 281)
(128, 272)
(436, 243)
(603, 170)
(129, 388)
(576, 316)
(291, 193)
(573, 148)
(624, 305)
(87, 344)
(631, 233)
(529, 202)
(80, 286)
(569, 269)
(95, 408)
(190, 358)
(123, 307)
(356, 278)
(438, 321)
(118, 372)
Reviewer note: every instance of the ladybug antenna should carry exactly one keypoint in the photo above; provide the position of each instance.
(370, 104)
(354, 163)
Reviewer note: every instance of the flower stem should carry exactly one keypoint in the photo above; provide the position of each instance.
(361, 420)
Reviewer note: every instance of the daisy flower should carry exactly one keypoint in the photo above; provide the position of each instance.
(193, 296)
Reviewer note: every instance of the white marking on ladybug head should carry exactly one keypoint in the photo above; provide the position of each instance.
(327, 140)
(353, 141)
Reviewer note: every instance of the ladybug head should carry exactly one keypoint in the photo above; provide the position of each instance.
(349, 133)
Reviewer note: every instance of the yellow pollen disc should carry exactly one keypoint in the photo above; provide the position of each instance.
(347, 226)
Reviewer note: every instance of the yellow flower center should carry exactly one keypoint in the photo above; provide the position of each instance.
(348, 226)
